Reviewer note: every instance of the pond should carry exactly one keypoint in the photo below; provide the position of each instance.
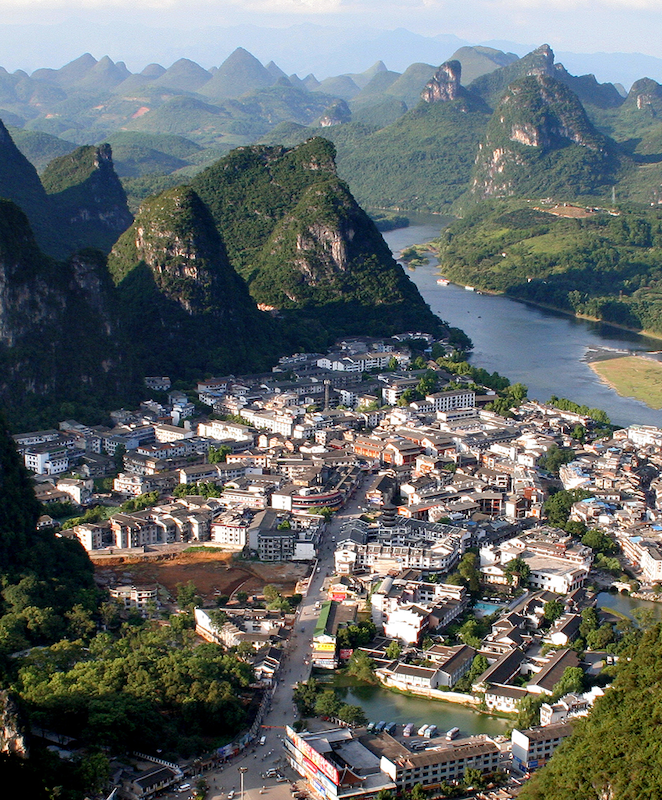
(622, 604)
(379, 703)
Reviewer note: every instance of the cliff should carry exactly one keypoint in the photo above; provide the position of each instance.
(539, 140)
(305, 247)
(184, 307)
(87, 199)
(59, 337)
(445, 84)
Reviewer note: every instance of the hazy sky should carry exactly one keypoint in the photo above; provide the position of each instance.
(579, 25)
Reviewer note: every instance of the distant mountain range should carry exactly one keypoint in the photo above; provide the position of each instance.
(301, 48)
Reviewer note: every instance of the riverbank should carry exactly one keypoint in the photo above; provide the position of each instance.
(632, 376)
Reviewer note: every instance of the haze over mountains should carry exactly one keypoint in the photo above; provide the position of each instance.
(322, 49)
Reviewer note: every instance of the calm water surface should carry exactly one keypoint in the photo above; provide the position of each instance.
(543, 349)
(626, 605)
(382, 704)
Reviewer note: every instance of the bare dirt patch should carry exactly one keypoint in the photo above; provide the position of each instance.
(213, 573)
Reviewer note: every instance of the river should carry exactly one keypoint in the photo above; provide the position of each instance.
(545, 350)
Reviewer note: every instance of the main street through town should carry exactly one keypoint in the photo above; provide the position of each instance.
(295, 667)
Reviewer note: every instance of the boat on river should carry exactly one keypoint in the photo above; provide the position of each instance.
(443, 281)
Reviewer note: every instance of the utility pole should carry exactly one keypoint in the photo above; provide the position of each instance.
(242, 770)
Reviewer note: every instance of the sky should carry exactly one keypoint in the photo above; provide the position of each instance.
(582, 26)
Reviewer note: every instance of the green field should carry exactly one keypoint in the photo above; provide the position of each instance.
(633, 376)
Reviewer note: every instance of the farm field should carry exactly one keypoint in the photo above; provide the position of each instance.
(633, 376)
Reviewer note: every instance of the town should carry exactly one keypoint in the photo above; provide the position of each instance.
(447, 547)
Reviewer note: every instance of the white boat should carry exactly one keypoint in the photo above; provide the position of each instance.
(470, 288)
(443, 281)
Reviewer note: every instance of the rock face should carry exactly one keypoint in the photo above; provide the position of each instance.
(445, 85)
(336, 114)
(178, 287)
(539, 139)
(87, 198)
(58, 329)
(12, 738)
(645, 95)
(304, 245)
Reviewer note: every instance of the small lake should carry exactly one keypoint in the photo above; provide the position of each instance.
(625, 605)
(381, 704)
(543, 349)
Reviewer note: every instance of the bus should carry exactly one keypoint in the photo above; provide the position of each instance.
(408, 729)
(453, 733)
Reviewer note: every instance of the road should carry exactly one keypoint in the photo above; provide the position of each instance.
(293, 670)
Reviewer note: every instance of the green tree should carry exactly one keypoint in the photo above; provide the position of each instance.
(473, 777)
(553, 610)
(305, 696)
(217, 455)
(599, 542)
(555, 458)
(600, 638)
(187, 596)
(470, 571)
(393, 650)
(519, 569)
(558, 506)
(362, 667)
(351, 714)
(572, 681)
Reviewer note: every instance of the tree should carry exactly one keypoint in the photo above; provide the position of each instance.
(362, 667)
(599, 542)
(218, 455)
(351, 714)
(553, 610)
(572, 681)
(558, 506)
(470, 572)
(555, 458)
(517, 568)
(393, 650)
(187, 596)
(270, 593)
(473, 777)
(305, 696)
(528, 711)
(599, 639)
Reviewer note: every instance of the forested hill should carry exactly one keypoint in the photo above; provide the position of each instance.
(304, 245)
(601, 264)
(615, 752)
(44, 577)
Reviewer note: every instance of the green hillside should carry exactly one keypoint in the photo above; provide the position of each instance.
(87, 199)
(422, 161)
(39, 148)
(296, 234)
(540, 142)
(613, 753)
(600, 265)
(176, 286)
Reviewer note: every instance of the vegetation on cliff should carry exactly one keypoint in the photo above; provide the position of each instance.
(305, 247)
(176, 286)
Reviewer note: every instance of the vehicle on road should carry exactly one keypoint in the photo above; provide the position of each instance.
(431, 731)
(379, 727)
(390, 728)
(263, 739)
(408, 729)
(453, 733)
(422, 729)
(231, 794)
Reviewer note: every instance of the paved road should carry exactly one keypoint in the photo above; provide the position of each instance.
(294, 669)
